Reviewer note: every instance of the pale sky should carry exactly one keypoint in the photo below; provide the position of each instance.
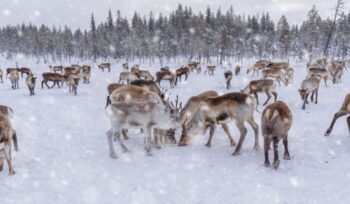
(76, 13)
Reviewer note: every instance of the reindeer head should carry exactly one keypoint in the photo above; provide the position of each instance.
(303, 93)
(175, 109)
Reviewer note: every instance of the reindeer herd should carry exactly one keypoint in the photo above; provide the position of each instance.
(139, 101)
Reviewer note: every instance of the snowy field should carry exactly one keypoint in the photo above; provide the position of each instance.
(63, 155)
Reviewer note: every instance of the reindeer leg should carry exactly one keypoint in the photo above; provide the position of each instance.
(267, 142)
(121, 144)
(336, 116)
(276, 161)
(316, 96)
(227, 131)
(211, 133)
(307, 98)
(286, 151)
(125, 134)
(303, 107)
(256, 97)
(312, 96)
(9, 160)
(255, 127)
(275, 95)
(110, 135)
(148, 141)
(268, 97)
(243, 131)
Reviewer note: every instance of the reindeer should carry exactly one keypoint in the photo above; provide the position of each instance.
(338, 74)
(258, 86)
(145, 75)
(191, 108)
(73, 82)
(276, 74)
(290, 74)
(7, 136)
(321, 73)
(166, 75)
(56, 68)
(30, 81)
(104, 66)
(1, 73)
(166, 68)
(184, 70)
(321, 62)
(237, 70)
(195, 66)
(128, 77)
(14, 77)
(7, 111)
(238, 107)
(310, 85)
(125, 66)
(228, 78)
(146, 115)
(86, 74)
(135, 68)
(278, 65)
(276, 121)
(259, 65)
(71, 70)
(210, 70)
(54, 77)
(25, 70)
(9, 70)
(343, 111)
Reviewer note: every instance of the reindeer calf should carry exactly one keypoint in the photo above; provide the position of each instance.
(228, 77)
(310, 85)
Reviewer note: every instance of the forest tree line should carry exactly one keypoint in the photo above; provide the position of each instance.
(181, 34)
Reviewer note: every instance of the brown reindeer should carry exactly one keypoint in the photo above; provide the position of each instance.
(310, 85)
(30, 81)
(125, 66)
(166, 75)
(195, 66)
(104, 66)
(259, 65)
(71, 70)
(238, 107)
(343, 111)
(210, 70)
(319, 72)
(53, 77)
(276, 121)
(1, 74)
(128, 76)
(228, 77)
(9, 70)
(14, 78)
(135, 68)
(86, 70)
(237, 70)
(25, 70)
(140, 114)
(7, 136)
(5, 110)
(191, 108)
(258, 86)
(144, 74)
(184, 70)
(278, 65)
(56, 68)
(276, 74)
(73, 82)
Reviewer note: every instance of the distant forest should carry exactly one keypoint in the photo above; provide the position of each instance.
(217, 35)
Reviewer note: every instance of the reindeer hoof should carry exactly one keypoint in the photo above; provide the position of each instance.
(236, 153)
(208, 145)
(267, 164)
(11, 173)
(276, 164)
(149, 154)
(256, 147)
(181, 144)
(113, 156)
(286, 157)
(328, 132)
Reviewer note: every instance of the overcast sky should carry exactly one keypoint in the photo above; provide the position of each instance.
(76, 13)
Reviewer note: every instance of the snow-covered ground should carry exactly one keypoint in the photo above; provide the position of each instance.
(63, 155)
